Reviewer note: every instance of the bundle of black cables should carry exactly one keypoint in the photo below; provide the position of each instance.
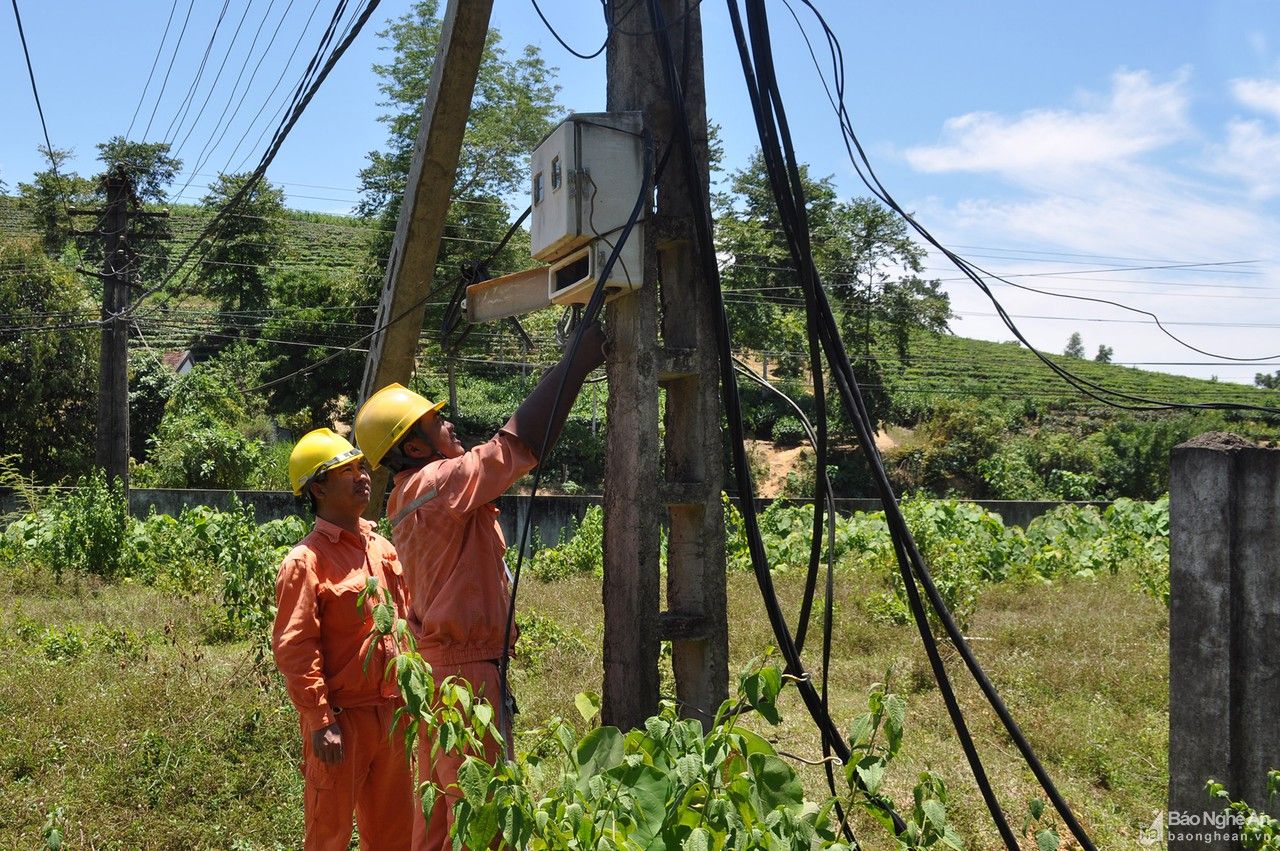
(784, 178)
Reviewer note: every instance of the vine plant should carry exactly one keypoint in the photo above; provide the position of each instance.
(671, 784)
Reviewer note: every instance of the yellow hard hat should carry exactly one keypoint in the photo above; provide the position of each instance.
(317, 451)
(386, 417)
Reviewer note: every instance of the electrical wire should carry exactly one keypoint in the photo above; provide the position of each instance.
(155, 62)
(184, 107)
(300, 105)
(35, 92)
(565, 44)
(866, 172)
(164, 84)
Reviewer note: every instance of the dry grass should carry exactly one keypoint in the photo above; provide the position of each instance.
(155, 740)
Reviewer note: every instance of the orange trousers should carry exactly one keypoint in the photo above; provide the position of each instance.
(372, 780)
(433, 834)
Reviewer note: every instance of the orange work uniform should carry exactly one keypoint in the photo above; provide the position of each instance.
(320, 641)
(445, 524)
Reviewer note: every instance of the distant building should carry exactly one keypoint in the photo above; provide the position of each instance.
(179, 362)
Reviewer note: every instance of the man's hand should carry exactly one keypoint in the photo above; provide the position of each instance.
(326, 743)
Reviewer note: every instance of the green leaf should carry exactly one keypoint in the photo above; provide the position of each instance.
(588, 705)
(776, 784)
(936, 814)
(895, 710)
(689, 769)
(428, 793)
(384, 617)
(599, 751)
(1047, 840)
(473, 779)
(648, 790)
(697, 840)
(483, 714)
(872, 776)
(1036, 806)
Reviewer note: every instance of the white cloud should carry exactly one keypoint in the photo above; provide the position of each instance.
(1137, 116)
(1251, 154)
(1260, 95)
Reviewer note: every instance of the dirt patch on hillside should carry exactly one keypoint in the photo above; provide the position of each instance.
(775, 462)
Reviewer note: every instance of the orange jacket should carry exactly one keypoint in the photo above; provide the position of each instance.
(320, 637)
(444, 523)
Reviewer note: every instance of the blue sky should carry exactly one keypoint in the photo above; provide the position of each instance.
(1079, 139)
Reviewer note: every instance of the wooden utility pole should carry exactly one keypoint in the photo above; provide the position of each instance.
(113, 362)
(684, 363)
(412, 264)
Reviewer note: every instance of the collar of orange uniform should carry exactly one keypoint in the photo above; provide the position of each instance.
(333, 532)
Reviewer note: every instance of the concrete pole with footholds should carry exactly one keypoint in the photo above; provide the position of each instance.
(1224, 628)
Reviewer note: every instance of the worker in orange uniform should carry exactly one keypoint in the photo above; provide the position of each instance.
(445, 525)
(351, 760)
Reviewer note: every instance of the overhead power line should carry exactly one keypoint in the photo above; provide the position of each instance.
(35, 91)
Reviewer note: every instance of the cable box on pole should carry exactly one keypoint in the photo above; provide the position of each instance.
(584, 178)
(572, 278)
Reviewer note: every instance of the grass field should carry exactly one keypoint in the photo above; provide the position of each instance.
(120, 713)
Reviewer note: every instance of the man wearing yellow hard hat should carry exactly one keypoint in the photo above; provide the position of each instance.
(321, 638)
(445, 526)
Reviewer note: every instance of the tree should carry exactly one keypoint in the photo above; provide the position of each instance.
(49, 194)
(868, 265)
(48, 378)
(1075, 346)
(236, 270)
(148, 164)
(325, 307)
(511, 110)
(867, 262)
(151, 170)
(1104, 354)
(1269, 382)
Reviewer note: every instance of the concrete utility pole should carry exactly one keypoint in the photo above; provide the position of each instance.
(411, 267)
(112, 448)
(1224, 628)
(688, 482)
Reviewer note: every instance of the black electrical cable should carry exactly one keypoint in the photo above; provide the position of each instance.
(299, 107)
(564, 43)
(35, 92)
(177, 148)
(828, 609)
(862, 165)
(755, 544)
(164, 84)
(788, 193)
(222, 122)
(904, 544)
(185, 107)
(226, 168)
(159, 50)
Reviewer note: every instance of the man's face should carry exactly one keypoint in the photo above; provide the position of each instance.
(439, 433)
(345, 489)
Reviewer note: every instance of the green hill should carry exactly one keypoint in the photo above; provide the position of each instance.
(941, 366)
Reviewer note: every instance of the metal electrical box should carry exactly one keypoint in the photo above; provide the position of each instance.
(585, 176)
(572, 278)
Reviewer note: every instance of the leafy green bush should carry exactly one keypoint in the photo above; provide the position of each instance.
(80, 531)
(789, 431)
(964, 547)
(577, 553)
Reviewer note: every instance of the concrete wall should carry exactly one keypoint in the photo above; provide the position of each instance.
(1224, 625)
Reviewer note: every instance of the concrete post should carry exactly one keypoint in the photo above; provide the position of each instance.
(1224, 624)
